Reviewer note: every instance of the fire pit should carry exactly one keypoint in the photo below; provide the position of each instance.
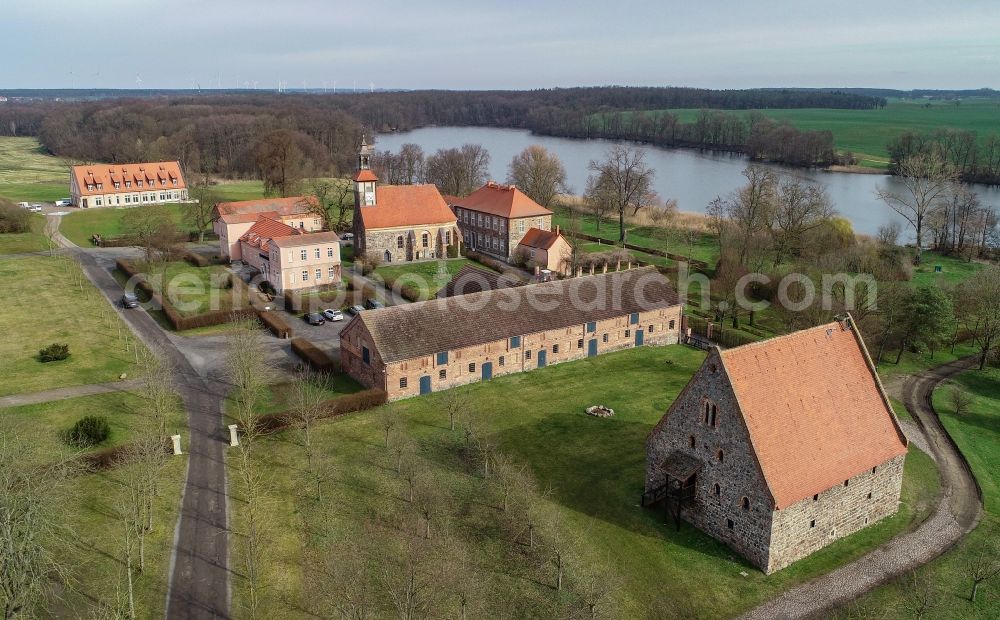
(600, 411)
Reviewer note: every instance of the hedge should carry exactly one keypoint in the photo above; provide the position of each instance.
(198, 260)
(312, 355)
(276, 324)
(348, 403)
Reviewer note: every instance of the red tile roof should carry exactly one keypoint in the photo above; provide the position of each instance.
(540, 239)
(293, 205)
(107, 174)
(815, 409)
(267, 230)
(307, 239)
(365, 175)
(503, 200)
(406, 205)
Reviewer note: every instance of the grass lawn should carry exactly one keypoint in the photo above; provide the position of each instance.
(427, 276)
(33, 241)
(47, 300)
(30, 175)
(192, 290)
(593, 467)
(79, 225)
(977, 434)
(953, 270)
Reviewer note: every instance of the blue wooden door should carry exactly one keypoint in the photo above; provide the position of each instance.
(592, 347)
(425, 385)
(487, 371)
(541, 358)
(638, 337)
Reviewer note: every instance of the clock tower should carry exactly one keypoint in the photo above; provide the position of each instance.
(365, 179)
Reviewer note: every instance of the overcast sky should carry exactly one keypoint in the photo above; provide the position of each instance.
(487, 44)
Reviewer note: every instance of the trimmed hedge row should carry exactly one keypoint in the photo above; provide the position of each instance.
(313, 355)
(277, 325)
(348, 403)
(178, 321)
(198, 260)
(482, 259)
(408, 291)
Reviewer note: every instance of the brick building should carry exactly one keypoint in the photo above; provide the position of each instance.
(546, 249)
(434, 345)
(127, 185)
(232, 220)
(495, 218)
(400, 223)
(290, 258)
(779, 448)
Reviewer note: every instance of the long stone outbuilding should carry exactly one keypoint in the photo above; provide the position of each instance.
(435, 345)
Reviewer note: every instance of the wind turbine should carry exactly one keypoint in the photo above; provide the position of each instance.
(371, 87)
(138, 81)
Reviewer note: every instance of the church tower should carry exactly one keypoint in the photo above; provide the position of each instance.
(365, 179)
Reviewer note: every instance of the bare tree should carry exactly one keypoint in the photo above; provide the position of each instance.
(960, 399)
(307, 400)
(31, 540)
(888, 234)
(429, 500)
(927, 181)
(921, 593)
(625, 181)
(152, 229)
(388, 422)
(411, 164)
(749, 211)
(538, 173)
(458, 171)
(413, 574)
(984, 564)
(199, 209)
(455, 402)
(799, 208)
(981, 293)
(281, 162)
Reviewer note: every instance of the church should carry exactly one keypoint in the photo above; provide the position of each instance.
(400, 223)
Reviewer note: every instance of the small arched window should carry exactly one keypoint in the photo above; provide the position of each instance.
(399, 241)
(715, 412)
(717, 489)
(745, 503)
(691, 441)
(721, 456)
(708, 408)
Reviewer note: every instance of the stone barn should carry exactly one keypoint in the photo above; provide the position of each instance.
(779, 448)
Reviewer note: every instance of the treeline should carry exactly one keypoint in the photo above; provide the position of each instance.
(975, 158)
(760, 137)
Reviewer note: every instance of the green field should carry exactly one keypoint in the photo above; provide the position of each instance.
(427, 276)
(28, 174)
(192, 290)
(593, 469)
(867, 132)
(80, 225)
(953, 270)
(49, 300)
(17, 243)
(977, 434)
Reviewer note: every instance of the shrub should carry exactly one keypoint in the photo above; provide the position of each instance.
(89, 431)
(198, 260)
(54, 352)
(453, 251)
(13, 219)
(276, 324)
(312, 355)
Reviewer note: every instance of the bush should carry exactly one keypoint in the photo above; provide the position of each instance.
(312, 355)
(198, 260)
(54, 352)
(13, 219)
(276, 324)
(453, 251)
(89, 431)
(348, 403)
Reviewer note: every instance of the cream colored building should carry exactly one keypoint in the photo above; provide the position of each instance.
(289, 258)
(234, 219)
(127, 185)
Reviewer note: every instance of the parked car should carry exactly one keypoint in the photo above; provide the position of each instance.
(65, 202)
(373, 304)
(35, 208)
(355, 310)
(24, 205)
(314, 318)
(333, 315)
(129, 300)
(347, 237)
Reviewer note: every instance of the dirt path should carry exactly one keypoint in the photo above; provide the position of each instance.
(957, 513)
(73, 391)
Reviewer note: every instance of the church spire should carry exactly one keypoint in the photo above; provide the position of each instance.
(365, 179)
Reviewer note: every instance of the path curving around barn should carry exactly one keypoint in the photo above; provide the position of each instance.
(957, 513)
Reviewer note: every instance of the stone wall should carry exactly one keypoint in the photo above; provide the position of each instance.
(560, 345)
(812, 524)
(378, 241)
(737, 473)
(508, 232)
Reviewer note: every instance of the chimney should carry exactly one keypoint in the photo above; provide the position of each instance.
(557, 230)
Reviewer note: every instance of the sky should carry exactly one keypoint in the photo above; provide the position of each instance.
(516, 44)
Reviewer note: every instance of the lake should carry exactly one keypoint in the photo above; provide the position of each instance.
(691, 177)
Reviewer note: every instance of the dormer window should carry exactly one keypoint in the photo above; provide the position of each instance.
(90, 188)
(117, 185)
(128, 183)
(100, 186)
(138, 183)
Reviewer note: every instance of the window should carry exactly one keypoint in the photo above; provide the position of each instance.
(691, 441)
(651, 329)
(442, 374)
(634, 319)
(846, 482)
(869, 495)
(500, 361)
(579, 343)
(555, 348)
(316, 252)
(717, 490)
(515, 342)
(715, 411)
(442, 358)
(527, 355)
(873, 470)
(128, 183)
(671, 324)
(305, 275)
(816, 497)
(424, 239)
(812, 524)
(303, 254)
(399, 241)
(604, 338)
(591, 327)
(366, 355)
(319, 274)
(520, 226)
(447, 237)
(730, 524)
(117, 185)
(97, 201)
(329, 252)
(472, 367)
(628, 333)
(708, 409)
(720, 455)
(745, 503)
(402, 382)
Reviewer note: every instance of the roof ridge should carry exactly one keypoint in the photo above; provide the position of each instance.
(773, 339)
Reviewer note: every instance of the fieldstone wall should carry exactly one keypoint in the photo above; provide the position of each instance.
(379, 241)
(812, 524)
(737, 474)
